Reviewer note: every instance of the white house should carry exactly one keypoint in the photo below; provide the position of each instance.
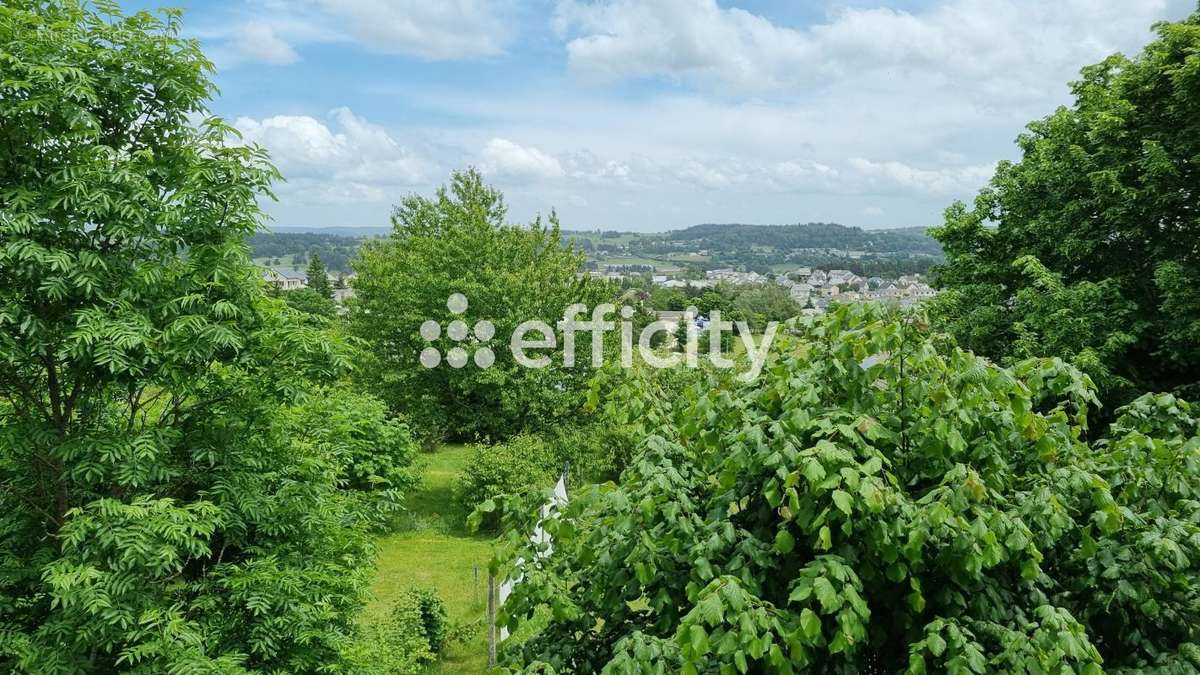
(284, 280)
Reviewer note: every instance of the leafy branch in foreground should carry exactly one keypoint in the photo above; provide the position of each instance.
(879, 501)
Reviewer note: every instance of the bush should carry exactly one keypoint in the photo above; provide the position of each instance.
(879, 501)
(407, 641)
(375, 450)
(523, 465)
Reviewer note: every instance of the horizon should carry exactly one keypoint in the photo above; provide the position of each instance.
(302, 229)
(650, 116)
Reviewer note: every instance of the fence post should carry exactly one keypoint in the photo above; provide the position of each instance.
(491, 620)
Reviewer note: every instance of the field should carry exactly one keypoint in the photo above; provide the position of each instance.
(433, 550)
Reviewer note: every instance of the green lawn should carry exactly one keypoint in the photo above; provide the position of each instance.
(433, 549)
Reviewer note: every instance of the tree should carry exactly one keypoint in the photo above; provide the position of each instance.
(876, 501)
(318, 278)
(1087, 248)
(683, 329)
(162, 509)
(765, 303)
(458, 242)
(310, 302)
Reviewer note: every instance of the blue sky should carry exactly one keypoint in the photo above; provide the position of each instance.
(647, 115)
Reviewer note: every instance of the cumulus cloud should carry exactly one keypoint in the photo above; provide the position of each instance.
(978, 46)
(350, 160)
(507, 160)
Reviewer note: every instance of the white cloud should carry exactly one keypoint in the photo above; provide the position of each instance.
(940, 181)
(353, 160)
(1004, 50)
(430, 29)
(504, 159)
(706, 176)
(271, 31)
(257, 41)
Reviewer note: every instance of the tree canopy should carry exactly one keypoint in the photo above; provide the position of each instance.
(1088, 248)
(460, 242)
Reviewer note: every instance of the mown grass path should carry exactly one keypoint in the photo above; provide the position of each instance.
(433, 550)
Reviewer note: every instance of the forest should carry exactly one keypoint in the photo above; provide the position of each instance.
(198, 475)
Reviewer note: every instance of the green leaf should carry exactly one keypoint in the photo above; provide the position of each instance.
(824, 539)
(810, 623)
(826, 595)
(843, 501)
(784, 542)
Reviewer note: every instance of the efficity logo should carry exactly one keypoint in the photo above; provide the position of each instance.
(531, 340)
(458, 331)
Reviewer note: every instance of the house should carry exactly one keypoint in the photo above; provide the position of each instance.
(284, 280)
(800, 293)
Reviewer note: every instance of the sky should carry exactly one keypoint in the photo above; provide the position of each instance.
(648, 115)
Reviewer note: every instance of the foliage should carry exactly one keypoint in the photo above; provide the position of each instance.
(407, 641)
(1085, 248)
(376, 451)
(878, 501)
(311, 303)
(160, 511)
(318, 277)
(459, 242)
(764, 303)
(522, 465)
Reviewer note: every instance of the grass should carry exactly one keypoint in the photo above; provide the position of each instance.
(433, 550)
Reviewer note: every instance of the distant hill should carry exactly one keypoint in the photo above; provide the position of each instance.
(729, 236)
(753, 247)
(334, 231)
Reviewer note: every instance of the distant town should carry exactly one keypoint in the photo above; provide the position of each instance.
(817, 263)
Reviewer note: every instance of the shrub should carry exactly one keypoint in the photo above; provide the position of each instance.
(374, 449)
(521, 466)
(405, 642)
(879, 501)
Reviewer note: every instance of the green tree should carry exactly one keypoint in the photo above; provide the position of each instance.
(310, 302)
(318, 277)
(161, 509)
(875, 501)
(458, 242)
(1087, 247)
(765, 303)
(682, 330)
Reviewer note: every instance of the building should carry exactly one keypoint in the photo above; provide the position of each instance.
(284, 280)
